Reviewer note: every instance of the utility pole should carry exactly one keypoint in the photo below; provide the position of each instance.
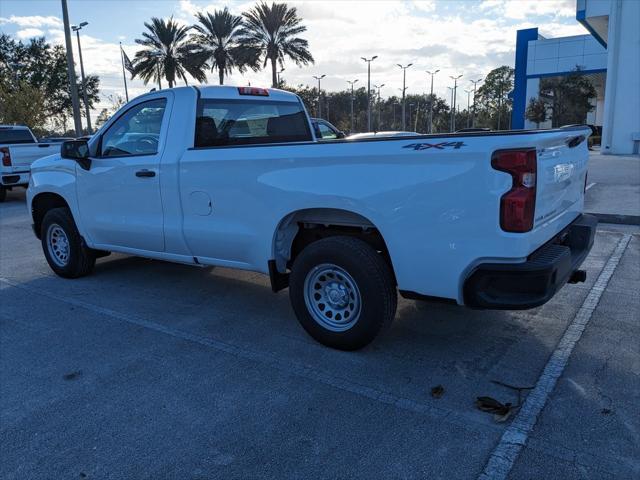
(71, 70)
(369, 60)
(378, 87)
(352, 82)
(455, 91)
(319, 109)
(431, 101)
(404, 90)
(77, 28)
(473, 118)
(500, 104)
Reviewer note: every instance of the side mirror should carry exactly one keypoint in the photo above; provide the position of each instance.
(77, 150)
(341, 134)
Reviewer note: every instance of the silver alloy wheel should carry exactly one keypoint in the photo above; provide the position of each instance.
(332, 297)
(58, 245)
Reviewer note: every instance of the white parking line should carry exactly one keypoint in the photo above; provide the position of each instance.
(515, 436)
(590, 185)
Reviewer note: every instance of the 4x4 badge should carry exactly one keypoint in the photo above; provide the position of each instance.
(438, 146)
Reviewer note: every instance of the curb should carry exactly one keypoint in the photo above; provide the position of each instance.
(617, 219)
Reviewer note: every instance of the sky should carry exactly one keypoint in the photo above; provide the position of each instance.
(468, 37)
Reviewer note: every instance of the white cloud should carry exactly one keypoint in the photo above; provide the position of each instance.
(33, 21)
(522, 9)
(29, 33)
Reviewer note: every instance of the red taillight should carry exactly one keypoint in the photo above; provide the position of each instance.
(260, 92)
(6, 157)
(518, 205)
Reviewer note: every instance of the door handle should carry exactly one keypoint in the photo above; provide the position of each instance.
(145, 173)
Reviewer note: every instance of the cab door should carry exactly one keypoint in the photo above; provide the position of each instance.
(119, 195)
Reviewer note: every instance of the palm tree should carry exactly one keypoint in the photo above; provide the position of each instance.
(168, 53)
(272, 31)
(218, 36)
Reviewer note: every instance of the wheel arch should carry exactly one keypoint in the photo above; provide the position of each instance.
(41, 204)
(301, 227)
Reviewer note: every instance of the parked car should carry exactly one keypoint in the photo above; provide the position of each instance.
(19, 148)
(486, 220)
(382, 134)
(325, 130)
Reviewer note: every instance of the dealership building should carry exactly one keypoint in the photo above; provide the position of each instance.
(609, 55)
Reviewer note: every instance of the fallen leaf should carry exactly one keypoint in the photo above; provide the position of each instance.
(437, 391)
(72, 375)
(491, 405)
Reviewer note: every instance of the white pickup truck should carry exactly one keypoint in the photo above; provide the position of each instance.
(18, 149)
(235, 177)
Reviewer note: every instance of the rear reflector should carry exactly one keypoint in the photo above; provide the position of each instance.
(518, 205)
(6, 157)
(258, 92)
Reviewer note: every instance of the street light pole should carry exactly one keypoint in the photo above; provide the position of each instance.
(71, 70)
(473, 118)
(431, 101)
(451, 113)
(319, 109)
(352, 82)
(468, 106)
(404, 90)
(369, 60)
(455, 91)
(77, 28)
(378, 87)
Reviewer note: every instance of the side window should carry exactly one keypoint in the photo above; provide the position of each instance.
(326, 133)
(136, 132)
(243, 122)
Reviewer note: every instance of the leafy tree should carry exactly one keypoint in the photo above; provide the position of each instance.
(103, 117)
(21, 103)
(37, 66)
(272, 31)
(494, 105)
(536, 111)
(570, 97)
(168, 53)
(218, 35)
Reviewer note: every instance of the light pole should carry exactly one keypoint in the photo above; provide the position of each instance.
(71, 70)
(455, 91)
(319, 110)
(473, 118)
(279, 72)
(451, 113)
(369, 60)
(77, 28)
(378, 87)
(352, 82)
(468, 106)
(404, 89)
(431, 101)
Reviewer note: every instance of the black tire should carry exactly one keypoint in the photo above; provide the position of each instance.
(3, 194)
(80, 258)
(372, 277)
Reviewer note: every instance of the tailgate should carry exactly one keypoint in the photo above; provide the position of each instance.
(22, 156)
(561, 177)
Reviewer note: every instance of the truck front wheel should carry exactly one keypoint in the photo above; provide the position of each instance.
(342, 292)
(63, 247)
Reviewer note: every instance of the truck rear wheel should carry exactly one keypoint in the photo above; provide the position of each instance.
(63, 247)
(342, 292)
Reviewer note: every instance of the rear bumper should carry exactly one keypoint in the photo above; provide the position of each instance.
(14, 179)
(532, 283)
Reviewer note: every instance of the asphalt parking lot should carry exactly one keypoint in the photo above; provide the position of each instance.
(153, 370)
